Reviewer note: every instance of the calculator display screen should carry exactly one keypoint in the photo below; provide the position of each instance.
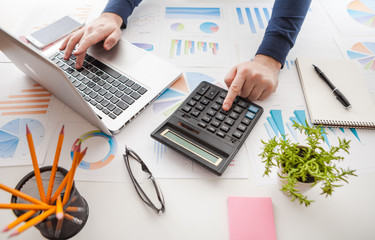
(192, 147)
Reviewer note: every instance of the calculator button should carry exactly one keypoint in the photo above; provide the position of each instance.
(206, 119)
(196, 97)
(242, 104)
(186, 108)
(220, 101)
(229, 121)
(195, 113)
(192, 102)
(225, 128)
(223, 94)
(215, 123)
(220, 117)
(203, 89)
(211, 112)
(238, 109)
(253, 109)
(233, 115)
(237, 134)
(205, 101)
(211, 129)
(246, 121)
(224, 112)
(202, 124)
(241, 127)
(212, 94)
(216, 106)
(220, 134)
(250, 115)
(200, 107)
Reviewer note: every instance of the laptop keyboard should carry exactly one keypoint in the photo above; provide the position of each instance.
(103, 87)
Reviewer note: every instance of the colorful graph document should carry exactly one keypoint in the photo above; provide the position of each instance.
(251, 218)
(22, 102)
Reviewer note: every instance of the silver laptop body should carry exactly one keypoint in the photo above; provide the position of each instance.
(146, 69)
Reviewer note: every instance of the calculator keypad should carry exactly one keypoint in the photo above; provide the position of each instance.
(206, 107)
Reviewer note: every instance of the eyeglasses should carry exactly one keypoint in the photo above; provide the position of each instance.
(141, 192)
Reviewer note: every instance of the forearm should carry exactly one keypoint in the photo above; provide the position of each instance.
(283, 28)
(123, 8)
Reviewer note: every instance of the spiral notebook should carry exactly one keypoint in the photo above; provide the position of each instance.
(323, 107)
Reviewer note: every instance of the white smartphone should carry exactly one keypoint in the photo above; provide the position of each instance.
(53, 32)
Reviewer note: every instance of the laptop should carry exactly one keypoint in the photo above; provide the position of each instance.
(110, 90)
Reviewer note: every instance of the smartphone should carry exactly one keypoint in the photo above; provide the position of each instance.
(53, 32)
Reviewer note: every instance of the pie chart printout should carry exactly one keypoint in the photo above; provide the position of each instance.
(364, 53)
(209, 27)
(363, 11)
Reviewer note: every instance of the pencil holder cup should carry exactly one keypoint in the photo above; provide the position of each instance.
(76, 210)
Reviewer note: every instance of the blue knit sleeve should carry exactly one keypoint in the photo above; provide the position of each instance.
(123, 8)
(283, 28)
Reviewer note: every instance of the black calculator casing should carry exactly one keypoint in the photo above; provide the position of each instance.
(194, 133)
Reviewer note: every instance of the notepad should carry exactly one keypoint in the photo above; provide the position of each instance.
(251, 218)
(323, 107)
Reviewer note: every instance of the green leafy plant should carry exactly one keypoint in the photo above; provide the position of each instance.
(309, 163)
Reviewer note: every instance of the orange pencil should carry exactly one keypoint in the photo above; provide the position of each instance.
(73, 219)
(55, 164)
(59, 209)
(65, 180)
(22, 206)
(35, 164)
(69, 184)
(20, 219)
(34, 221)
(20, 194)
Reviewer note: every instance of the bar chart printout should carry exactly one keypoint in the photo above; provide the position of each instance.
(256, 18)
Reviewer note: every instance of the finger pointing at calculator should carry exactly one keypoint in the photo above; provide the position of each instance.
(255, 80)
(107, 28)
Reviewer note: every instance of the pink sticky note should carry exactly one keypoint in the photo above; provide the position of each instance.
(251, 218)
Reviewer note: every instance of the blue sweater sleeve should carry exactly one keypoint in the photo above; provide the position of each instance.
(123, 8)
(283, 28)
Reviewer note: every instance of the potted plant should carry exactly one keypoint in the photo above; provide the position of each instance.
(309, 163)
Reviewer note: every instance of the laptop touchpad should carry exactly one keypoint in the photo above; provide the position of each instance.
(123, 56)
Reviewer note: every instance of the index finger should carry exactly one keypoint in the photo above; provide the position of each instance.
(233, 91)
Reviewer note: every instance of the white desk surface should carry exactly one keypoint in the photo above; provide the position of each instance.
(197, 208)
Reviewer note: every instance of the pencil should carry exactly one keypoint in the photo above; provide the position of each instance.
(34, 221)
(20, 219)
(55, 164)
(65, 180)
(58, 227)
(22, 206)
(59, 209)
(20, 194)
(69, 184)
(35, 164)
(73, 219)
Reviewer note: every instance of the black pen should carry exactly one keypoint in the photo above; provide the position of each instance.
(335, 91)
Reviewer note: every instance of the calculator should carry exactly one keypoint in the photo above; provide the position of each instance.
(202, 131)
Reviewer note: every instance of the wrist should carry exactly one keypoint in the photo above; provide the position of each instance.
(113, 17)
(268, 61)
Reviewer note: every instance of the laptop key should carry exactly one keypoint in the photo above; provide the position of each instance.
(127, 99)
(106, 69)
(122, 105)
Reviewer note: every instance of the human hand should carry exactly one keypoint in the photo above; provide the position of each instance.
(107, 27)
(254, 80)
